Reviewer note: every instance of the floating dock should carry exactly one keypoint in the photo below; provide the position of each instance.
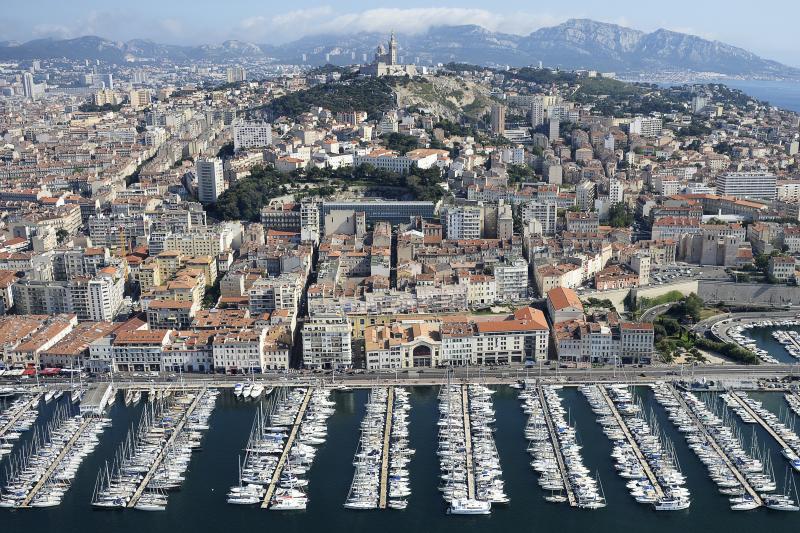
(573, 502)
(34, 401)
(276, 476)
(712, 441)
(468, 442)
(161, 454)
(96, 398)
(387, 434)
(632, 442)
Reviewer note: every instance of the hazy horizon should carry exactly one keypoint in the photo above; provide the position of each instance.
(184, 22)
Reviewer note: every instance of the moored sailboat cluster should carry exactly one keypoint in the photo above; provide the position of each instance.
(43, 470)
(16, 419)
(154, 459)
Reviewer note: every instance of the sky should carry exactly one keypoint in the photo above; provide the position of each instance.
(767, 27)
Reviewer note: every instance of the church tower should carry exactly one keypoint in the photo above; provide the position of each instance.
(392, 50)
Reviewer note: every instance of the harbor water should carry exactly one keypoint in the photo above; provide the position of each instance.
(201, 505)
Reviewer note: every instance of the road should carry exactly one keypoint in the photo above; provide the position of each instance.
(719, 325)
(428, 376)
(651, 314)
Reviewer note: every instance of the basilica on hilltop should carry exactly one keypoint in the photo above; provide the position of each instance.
(386, 62)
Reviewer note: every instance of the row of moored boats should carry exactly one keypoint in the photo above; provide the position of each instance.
(472, 479)
(153, 460)
(250, 390)
(790, 339)
(273, 428)
(41, 473)
(369, 459)
(556, 452)
(643, 455)
(15, 419)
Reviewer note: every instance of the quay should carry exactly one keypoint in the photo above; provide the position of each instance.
(573, 502)
(163, 452)
(468, 442)
(276, 475)
(713, 442)
(55, 463)
(31, 403)
(634, 445)
(387, 434)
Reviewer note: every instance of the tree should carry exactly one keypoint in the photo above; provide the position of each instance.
(61, 235)
(692, 306)
(520, 173)
(400, 142)
(620, 216)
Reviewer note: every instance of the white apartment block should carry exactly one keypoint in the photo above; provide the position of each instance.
(646, 126)
(761, 185)
(585, 193)
(269, 294)
(511, 280)
(241, 351)
(251, 135)
(196, 243)
(544, 213)
(463, 222)
(422, 158)
(326, 342)
(210, 182)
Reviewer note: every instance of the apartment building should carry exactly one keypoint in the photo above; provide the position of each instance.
(326, 342)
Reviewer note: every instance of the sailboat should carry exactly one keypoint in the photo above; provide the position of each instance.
(783, 502)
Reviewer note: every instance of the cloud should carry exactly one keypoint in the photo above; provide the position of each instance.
(56, 31)
(324, 20)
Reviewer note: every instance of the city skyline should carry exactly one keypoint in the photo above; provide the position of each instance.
(191, 23)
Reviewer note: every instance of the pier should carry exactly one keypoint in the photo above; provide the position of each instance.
(632, 442)
(55, 463)
(468, 442)
(276, 475)
(96, 398)
(387, 434)
(712, 441)
(782, 443)
(162, 453)
(22, 410)
(557, 445)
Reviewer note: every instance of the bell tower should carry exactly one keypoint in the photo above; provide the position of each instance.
(392, 50)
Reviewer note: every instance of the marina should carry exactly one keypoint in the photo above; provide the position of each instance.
(749, 470)
(305, 411)
(153, 459)
(790, 339)
(331, 474)
(468, 457)
(41, 472)
(786, 438)
(695, 423)
(381, 474)
(642, 450)
(582, 490)
(793, 399)
(17, 418)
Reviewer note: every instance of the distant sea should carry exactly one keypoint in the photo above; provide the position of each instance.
(783, 94)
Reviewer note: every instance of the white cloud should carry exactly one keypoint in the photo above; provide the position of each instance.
(324, 20)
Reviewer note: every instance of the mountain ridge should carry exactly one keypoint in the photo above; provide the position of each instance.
(574, 44)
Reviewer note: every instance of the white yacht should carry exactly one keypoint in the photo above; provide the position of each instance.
(467, 506)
